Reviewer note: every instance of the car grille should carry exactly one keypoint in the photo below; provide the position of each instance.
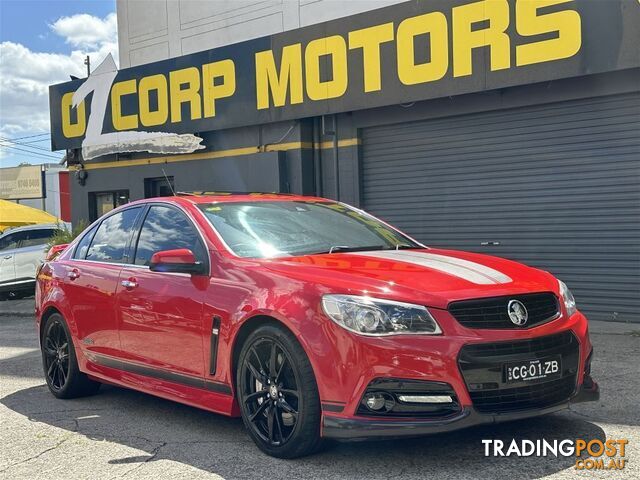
(487, 313)
(482, 368)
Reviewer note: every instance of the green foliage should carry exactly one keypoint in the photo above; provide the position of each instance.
(64, 235)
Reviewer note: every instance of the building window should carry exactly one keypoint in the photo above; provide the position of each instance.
(103, 202)
(158, 187)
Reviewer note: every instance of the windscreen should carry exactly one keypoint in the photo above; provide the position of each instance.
(289, 228)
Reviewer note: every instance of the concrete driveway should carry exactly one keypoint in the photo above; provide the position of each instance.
(121, 433)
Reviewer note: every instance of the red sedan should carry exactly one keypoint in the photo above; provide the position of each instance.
(308, 318)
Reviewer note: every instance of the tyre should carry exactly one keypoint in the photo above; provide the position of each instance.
(64, 378)
(278, 394)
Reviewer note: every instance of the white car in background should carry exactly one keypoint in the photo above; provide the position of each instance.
(22, 251)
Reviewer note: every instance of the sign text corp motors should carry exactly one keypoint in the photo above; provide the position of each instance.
(413, 51)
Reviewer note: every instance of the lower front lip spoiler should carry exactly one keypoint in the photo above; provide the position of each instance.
(354, 429)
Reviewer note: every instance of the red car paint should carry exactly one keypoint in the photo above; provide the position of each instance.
(165, 322)
(55, 250)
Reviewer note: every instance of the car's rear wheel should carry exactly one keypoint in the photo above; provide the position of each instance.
(278, 393)
(61, 371)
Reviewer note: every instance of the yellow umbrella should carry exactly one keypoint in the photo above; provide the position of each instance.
(15, 215)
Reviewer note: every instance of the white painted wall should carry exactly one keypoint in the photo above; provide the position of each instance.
(152, 30)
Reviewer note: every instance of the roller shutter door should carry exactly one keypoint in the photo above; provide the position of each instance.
(556, 186)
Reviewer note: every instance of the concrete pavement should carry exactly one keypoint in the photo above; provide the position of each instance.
(121, 433)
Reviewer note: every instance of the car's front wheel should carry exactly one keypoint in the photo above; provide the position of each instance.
(278, 393)
(63, 376)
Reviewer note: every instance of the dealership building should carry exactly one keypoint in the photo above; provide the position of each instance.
(505, 127)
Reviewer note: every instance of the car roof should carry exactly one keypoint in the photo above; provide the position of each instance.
(41, 226)
(219, 197)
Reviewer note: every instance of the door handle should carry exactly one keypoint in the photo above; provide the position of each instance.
(73, 274)
(129, 284)
(8, 257)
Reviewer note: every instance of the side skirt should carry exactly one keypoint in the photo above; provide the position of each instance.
(194, 391)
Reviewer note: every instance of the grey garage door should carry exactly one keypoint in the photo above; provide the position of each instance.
(556, 186)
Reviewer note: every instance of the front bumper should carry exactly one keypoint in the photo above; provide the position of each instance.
(441, 359)
(355, 429)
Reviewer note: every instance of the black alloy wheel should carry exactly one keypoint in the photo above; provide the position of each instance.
(56, 356)
(61, 371)
(271, 392)
(278, 394)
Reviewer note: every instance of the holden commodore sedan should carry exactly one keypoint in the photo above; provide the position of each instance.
(309, 319)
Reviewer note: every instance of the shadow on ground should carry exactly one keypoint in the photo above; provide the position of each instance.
(213, 443)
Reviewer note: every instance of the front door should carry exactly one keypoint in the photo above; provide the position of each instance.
(161, 322)
(8, 246)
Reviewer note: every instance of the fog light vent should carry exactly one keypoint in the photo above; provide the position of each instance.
(379, 402)
(393, 397)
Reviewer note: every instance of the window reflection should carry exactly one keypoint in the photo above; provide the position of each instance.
(112, 236)
(273, 229)
(83, 245)
(166, 228)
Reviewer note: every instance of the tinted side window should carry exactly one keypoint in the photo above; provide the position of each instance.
(83, 244)
(166, 228)
(13, 241)
(110, 241)
(37, 237)
(10, 241)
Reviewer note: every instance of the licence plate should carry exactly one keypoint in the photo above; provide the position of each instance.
(530, 370)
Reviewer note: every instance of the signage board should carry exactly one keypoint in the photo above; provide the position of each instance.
(17, 183)
(408, 52)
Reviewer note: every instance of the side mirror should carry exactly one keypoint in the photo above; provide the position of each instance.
(181, 260)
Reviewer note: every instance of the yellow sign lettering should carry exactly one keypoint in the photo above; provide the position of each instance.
(317, 51)
(466, 37)
(190, 94)
(120, 121)
(369, 40)
(224, 69)
(72, 130)
(269, 80)
(435, 24)
(148, 117)
(438, 46)
(566, 25)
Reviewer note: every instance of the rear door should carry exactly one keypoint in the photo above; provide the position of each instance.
(161, 322)
(91, 277)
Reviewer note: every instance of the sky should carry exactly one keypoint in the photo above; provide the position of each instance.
(42, 42)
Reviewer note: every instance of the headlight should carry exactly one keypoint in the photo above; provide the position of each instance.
(567, 297)
(372, 316)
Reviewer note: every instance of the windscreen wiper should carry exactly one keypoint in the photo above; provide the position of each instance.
(347, 248)
(366, 248)
(406, 246)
